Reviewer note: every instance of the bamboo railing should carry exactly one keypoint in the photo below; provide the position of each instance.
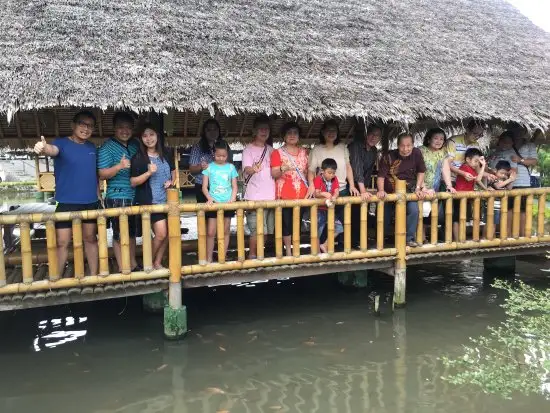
(434, 234)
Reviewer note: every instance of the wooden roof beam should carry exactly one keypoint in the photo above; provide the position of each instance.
(56, 123)
(313, 123)
(243, 125)
(37, 125)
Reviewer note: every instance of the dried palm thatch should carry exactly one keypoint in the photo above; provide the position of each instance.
(391, 60)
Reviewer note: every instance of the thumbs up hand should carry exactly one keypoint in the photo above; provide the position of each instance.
(124, 163)
(40, 146)
(151, 168)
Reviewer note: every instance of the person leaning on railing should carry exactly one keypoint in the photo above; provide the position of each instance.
(76, 185)
(152, 172)
(363, 156)
(404, 163)
(114, 166)
(289, 168)
(259, 184)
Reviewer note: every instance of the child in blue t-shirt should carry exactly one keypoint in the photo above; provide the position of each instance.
(219, 185)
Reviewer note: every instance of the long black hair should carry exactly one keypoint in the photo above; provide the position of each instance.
(328, 124)
(203, 142)
(431, 133)
(161, 150)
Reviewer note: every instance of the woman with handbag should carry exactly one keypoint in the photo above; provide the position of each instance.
(259, 184)
(289, 169)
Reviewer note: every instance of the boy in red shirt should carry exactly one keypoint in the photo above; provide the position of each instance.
(474, 167)
(326, 187)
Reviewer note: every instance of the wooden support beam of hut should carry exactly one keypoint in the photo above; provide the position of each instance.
(313, 123)
(243, 125)
(37, 127)
(185, 123)
(199, 125)
(99, 124)
(56, 122)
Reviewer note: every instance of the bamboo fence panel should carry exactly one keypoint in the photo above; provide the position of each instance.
(78, 249)
(103, 248)
(147, 244)
(51, 246)
(314, 230)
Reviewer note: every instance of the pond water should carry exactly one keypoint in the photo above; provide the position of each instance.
(303, 345)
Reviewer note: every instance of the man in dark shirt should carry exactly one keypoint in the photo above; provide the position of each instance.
(363, 155)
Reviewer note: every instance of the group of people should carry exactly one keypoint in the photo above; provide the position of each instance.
(139, 170)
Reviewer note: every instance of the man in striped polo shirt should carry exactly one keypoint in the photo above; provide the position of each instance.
(114, 166)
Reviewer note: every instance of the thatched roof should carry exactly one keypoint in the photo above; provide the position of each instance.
(399, 60)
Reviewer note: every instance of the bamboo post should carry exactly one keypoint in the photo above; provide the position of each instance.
(379, 225)
(78, 248)
(516, 215)
(279, 232)
(420, 225)
(330, 229)
(51, 246)
(124, 245)
(240, 236)
(529, 216)
(540, 217)
(201, 224)
(363, 229)
(504, 217)
(434, 221)
(147, 246)
(2, 260)
(449, 220)
(400, 244)
(102, 246)
(314, 229)
(175, 313)
(347, 228)
(296, 224)
(490, 224)
(220, 231)
(476, 218)
(26, 252)
(462, 220)
(260, 233)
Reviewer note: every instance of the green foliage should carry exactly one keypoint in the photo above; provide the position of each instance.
(515, 355)
(544, 164)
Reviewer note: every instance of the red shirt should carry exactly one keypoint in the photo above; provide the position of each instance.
(290, 185)
(462, 185)
(319, 183)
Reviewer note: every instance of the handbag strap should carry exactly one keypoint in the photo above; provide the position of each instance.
(290, 157)
(249, 177)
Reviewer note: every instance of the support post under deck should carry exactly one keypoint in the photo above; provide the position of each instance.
(400, 277)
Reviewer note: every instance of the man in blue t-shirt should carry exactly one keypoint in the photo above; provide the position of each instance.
(76, 185)
(114, 166)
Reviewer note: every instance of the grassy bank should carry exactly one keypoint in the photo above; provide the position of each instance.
(24, 186)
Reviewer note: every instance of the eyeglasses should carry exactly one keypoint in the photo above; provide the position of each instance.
(83, 124)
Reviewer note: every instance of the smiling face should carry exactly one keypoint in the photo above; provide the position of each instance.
(149, 138)
(83, 128)
(292, 136)
(437, 141)
(330, 134)
(123, 131)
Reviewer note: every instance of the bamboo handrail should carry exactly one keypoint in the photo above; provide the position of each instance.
(330, 229)
(146, 242)
(103, 247)
(240, 236)
(314, 230)
(78, 249)
(260, 233)
(516, 216)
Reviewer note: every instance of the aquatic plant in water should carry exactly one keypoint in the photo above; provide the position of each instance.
(515, 355)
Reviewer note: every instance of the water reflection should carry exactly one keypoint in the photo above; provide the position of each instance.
(53, 333)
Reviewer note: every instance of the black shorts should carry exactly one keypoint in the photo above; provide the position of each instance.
(456, 210)
(523, 204)
(288, 214)
(214, 214)
(114, 221)
(62, 207)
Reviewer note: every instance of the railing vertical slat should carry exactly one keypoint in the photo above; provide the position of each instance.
(420, 224)
(490, 224)
(363, 231)
(2, 260)
(540, 217)
(516, 216)
(379, 225)
(78, 248)
(434, 221)
(201, 228)
(147, 244)
(296, 229)
(476, 218)
(125, 244)
(330, 229)
(529, 216)
(220, 231)
(103, 248)
(279, 232)
(51, 247)
(347, 228)
(26, 251)
(448, 220)
(314, 231)
(462, 219)
(504, 217)
(240, 236)
(260, 233)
